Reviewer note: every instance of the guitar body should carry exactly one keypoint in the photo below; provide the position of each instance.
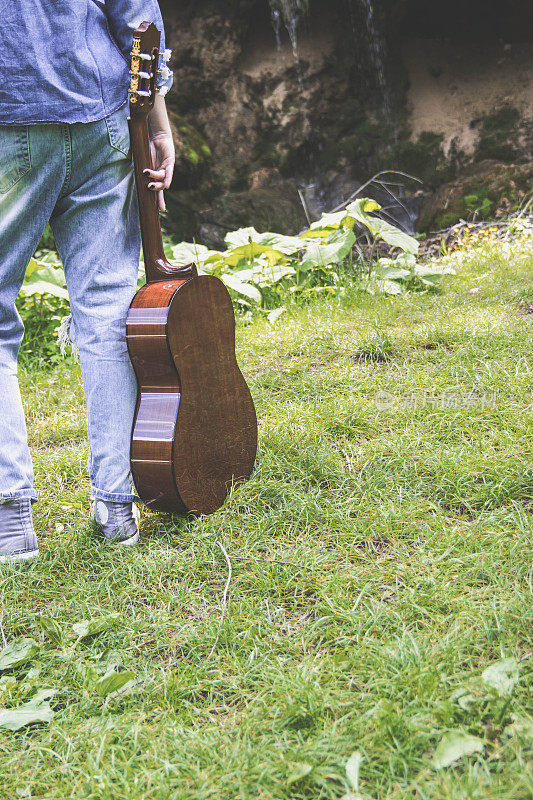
(195, 428)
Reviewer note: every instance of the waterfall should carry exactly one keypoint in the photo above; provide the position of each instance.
(376, 48)
(275, 14)
(290, 12)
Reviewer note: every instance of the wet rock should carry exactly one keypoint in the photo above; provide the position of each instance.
(271, 204)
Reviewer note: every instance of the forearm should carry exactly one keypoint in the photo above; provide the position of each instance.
(158, 122)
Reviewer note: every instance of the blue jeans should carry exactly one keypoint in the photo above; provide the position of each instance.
(80, 178)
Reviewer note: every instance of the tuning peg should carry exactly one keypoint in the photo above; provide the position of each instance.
(165, 73)
(163, 90)
(167, 54)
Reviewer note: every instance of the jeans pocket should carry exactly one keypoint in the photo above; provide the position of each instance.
(15, 158)
(118, 131)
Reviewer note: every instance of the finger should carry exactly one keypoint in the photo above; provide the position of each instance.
(155, 174)
(161, 201)
(156, 186)
(168, 176)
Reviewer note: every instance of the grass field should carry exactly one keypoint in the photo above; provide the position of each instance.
(380, 558)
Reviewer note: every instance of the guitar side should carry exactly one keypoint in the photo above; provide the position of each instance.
(158, 397)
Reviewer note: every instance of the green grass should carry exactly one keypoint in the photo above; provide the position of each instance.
(408, 531)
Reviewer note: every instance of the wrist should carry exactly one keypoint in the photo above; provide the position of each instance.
(158, 123)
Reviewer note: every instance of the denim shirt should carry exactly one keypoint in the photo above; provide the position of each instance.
(68, 60)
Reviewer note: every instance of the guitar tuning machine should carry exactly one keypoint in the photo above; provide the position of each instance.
(166, 54)
(165, 73)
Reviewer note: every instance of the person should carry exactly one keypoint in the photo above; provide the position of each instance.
(64, 158)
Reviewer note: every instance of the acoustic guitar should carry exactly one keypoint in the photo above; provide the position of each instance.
(195, 428)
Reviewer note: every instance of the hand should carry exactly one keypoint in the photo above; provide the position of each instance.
(163, 158)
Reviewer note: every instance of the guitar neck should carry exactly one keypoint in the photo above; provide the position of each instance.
(152, 240)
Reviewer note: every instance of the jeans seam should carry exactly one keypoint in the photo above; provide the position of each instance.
(24, 525)
(114, 497)
(7, 497)
(68, 158)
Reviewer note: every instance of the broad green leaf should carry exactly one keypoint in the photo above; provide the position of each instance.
(455, 745)
(18, 653)
(272, 316)
(264, 274)
(284, 244)
(432, 273)
(522, 727)
(403, 261)
(51, 629)
(214, 257)
(43, 288)
(352, 770)
(381, 229)
(329, 221)
(344, 238)
(45, 279)
(187, 253)
(377, 286)
(33, 266)
(246, 289)
(275, 241)
(241, 236)
(50, 257)
(36, 710)
(352, 774)
(30, 682)
(502, 676)
(112, 681)
(247, 252)
(322, 255)
(322, 233)
(298, 771)
(92, 627)
(393, 273)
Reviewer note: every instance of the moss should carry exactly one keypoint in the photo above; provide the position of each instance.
(498, 136)
(494, 188)
(194, 147)
(503, 120)
(424, 158)
(362, 143)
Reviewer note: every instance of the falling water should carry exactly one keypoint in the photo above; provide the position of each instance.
(275, 14)
(376, 47)
(290, 12)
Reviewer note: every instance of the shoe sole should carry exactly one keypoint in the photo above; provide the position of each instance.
(12, 558)
(126, 542)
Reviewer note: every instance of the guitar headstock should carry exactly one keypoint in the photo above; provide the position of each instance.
(144, 68)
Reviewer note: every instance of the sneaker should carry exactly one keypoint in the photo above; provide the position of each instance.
(18, 541)
(119, 522)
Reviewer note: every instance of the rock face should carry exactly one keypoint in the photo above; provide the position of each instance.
(355, 93)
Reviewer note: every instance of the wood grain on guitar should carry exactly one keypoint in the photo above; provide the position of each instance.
(195, 427)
